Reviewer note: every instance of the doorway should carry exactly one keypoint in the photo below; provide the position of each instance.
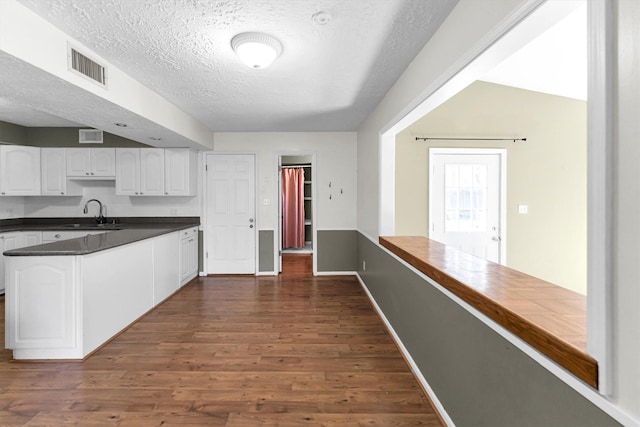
(231, 219)
(296, 230)
(467, 200)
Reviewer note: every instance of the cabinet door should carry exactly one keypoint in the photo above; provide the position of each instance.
(103, 161)
(128, 171)
(54, 171)
(184, 259)
(8, 241)
(40, 310)
(151, 171)
(19, 170)
(78, 161)
(193, 255)
(181, 171)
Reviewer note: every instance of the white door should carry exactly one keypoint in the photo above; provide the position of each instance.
(465, 197)
(231, 224)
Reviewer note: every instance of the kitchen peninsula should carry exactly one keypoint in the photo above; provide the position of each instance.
(67, 298)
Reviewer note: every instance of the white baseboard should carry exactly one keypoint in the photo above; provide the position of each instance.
(336, 273)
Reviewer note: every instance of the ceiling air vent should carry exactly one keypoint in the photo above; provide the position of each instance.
(87, 67)
(90, 136)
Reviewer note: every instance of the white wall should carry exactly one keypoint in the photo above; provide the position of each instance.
(335, 162)
(11, 207)
(117, 206)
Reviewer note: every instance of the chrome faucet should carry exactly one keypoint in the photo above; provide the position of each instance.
(100, 219)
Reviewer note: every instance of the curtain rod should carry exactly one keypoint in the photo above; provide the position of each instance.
(418, 138)
(304, 165)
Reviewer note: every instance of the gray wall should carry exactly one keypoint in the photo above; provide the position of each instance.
(68, 137)
(265, 250)
(337, 250)
(480, 378)
(13, 134)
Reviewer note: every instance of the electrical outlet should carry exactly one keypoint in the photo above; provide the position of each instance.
(523, 209)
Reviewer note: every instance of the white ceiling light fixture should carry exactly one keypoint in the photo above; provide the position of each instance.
(257, 50)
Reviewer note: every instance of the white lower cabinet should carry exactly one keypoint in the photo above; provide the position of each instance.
(188, 255)
(65, 307)
(166, 275)
(15, 240)
(42, 312)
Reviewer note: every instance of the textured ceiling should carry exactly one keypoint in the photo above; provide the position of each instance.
(328, 78)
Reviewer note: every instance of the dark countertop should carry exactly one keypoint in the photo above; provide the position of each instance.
(122, 232)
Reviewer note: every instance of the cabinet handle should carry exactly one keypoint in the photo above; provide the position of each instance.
(86, 173)
(166, 193)
(62, 192)
(57, 236)
(92, 173)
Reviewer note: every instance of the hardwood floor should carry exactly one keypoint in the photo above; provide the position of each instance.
(231, 351)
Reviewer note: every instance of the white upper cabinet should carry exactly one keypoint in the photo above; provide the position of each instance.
(91, 162)
(181, 172)
(152, 171)
(19, 170)
(140, 171)
(127, 171)
(54, 174)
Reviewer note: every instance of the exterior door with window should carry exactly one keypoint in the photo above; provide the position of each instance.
(465, 197)
(231, 225)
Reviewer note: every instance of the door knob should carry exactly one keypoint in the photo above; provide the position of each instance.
(251, 226)
(250, 219)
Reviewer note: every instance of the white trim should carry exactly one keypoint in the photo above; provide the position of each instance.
(266, 273)
(502, 153)
(600, 191)
(414, 367)
(338, 229)
(587, 392)
(336, 273)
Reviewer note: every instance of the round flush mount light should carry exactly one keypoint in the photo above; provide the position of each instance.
(257, 50)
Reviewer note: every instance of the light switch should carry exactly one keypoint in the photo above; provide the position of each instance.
(523, 209)
(266, 202)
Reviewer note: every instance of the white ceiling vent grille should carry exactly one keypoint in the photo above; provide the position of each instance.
(90, 136)
(87, 67)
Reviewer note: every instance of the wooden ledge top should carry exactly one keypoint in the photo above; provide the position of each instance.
(548, 317)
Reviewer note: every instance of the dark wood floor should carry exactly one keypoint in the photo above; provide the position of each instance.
(231, 351)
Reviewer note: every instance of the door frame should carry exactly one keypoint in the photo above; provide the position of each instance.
(277, 241)
(502, 197)
(205, 207)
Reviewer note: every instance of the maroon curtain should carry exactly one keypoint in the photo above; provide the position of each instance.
(292, 180)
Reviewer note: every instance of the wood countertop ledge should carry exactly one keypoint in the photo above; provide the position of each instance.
(548, 317)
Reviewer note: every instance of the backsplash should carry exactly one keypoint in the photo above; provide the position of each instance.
(11, 207)
(115, 205)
